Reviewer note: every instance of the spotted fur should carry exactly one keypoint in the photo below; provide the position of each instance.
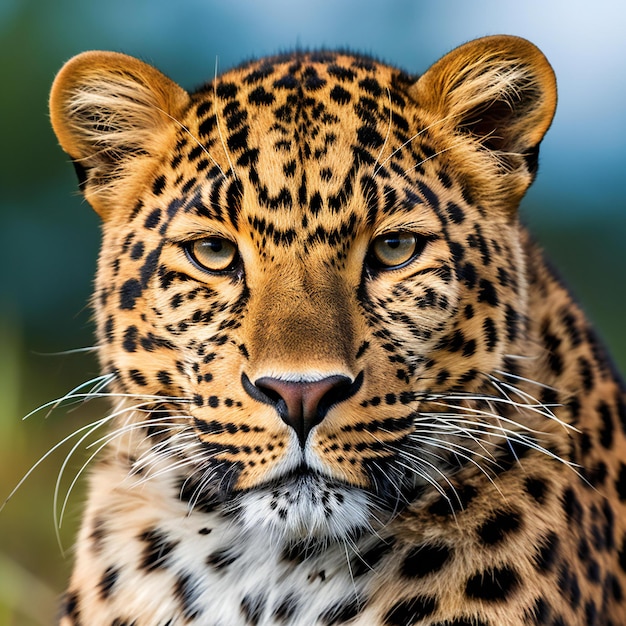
(346, 387)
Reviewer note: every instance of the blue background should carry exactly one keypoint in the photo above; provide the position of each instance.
(49, 236)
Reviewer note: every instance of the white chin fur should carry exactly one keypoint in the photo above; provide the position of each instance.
(305, 507)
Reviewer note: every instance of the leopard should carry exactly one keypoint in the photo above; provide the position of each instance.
(345, 384)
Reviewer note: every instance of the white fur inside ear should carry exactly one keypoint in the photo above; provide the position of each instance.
(115, 116)
(492, 100)
(499, 87)
(114, 113)
(486, 79)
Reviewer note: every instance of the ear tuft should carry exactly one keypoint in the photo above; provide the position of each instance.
(498, 94)
(113, 115)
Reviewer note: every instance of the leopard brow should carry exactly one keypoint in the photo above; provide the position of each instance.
(194, 234)
(403, 205)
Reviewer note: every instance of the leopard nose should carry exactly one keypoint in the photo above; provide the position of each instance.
(303, 404)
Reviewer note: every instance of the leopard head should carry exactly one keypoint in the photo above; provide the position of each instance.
(309, 266)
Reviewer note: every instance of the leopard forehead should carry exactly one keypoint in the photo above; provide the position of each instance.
(299, 151)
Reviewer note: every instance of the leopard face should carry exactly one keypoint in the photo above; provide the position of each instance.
(302, 263)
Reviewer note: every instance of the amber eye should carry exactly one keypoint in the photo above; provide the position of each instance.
(393, 250)
(213, 254)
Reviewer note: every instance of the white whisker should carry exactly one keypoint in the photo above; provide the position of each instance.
(63, 441)
(72, 396)
(356, 593)
(436, 154)
(87, 349)
(194, 138)
(412, 138)
(523, 379)
(121, 410)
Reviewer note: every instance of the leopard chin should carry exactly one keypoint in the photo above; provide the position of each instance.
(304, 507)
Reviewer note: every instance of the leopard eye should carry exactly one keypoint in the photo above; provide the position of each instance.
(393, 250)
(214, 254)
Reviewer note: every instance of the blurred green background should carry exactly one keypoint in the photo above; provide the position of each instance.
(49, 236)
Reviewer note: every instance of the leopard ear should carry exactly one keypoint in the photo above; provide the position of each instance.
(113, 115)
(496, 98)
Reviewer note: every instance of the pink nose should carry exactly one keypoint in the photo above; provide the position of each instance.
(302, 405)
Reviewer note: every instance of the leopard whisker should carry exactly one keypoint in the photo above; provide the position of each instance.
(517, 437)
(120, 410)
(431, 480)
(419, 471)
(502, 385)
(58, 520)
(508, 435)
(450, 446)
(490, 428)
(89, 428)
(539, 408)
(471, 415)
(148, 475)
(172, 447)
(85, 350)
(376, 487)
(76, 398)
(412, 138)
(194, 138)
(415, 434)
(398, 484)
(459, 431)
(205, 478)
(524, 379)
(432, 156)
(105, 441)
(483, 470)
(99, 382)
(344, 541)
(127, 428)
(208, 472)
(53, 449)
(144, 464)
